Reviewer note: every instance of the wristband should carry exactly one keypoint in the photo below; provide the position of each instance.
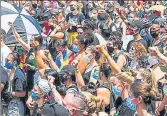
(13, 94)
(53, 87)
(106, 54)
(77, 70)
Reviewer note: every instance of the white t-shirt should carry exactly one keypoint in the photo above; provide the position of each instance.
(4, 53)
(100, 38)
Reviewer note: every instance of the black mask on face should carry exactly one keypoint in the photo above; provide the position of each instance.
(72, 9)
(52, 27)
(34, 6)
(154, 34)
(110, 49)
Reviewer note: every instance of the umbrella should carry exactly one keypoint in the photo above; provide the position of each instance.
(25, 25)
(157, 8)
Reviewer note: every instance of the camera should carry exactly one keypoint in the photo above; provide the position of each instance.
(53, 73)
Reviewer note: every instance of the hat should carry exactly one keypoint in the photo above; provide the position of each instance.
(137, 24)
(44, 85)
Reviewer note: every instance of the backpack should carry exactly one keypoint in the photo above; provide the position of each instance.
(117, 28)
(7, 93)
(128, 60)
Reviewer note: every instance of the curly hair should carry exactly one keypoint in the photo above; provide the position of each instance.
(139, 49)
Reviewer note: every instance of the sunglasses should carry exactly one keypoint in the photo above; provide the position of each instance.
(80, 33)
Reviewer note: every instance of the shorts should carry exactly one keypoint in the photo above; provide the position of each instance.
(16, 108)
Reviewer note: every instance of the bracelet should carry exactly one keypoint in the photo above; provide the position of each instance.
(77, 70)
(106, 54)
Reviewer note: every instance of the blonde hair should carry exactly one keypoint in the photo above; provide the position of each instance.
(149, 77)
(126, 77)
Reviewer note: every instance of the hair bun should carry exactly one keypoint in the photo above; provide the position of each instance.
(132, 73)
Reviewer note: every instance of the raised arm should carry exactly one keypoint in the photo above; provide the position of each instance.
(112, 63)
(55, 93)
(154, 51)
(79, 79)
(18, 38)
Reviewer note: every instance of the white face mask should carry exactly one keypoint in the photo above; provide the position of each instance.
(152, 61)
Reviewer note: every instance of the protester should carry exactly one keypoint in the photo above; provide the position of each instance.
(18, 85)
(91, 58)
(4, 49)
(142, 95)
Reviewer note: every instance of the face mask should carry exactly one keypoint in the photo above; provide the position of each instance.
(136, 32)
(110, 49)
(72, 9)
(146, 10)
(94, 16)
(86, 58)
(130, 20)
(130, 105)
(34, 6)
(142, 32)
(75, 48)
(9, 65)
(116, 91)
(95, 75)
(34, 95)
(138, 80)
(46, 5)
(154, 34)
(52, 27)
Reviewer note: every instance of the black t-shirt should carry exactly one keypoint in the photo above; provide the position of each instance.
(142, 41)
(75, 19)
(30, 73)
(122, 108)
(19, 83)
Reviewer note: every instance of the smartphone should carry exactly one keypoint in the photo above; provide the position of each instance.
(163, 68)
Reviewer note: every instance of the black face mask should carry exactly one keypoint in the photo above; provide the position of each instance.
(136, 32)
(72, 9)
(34, 6)
(110, 49)
(52, 27)
(154, 34)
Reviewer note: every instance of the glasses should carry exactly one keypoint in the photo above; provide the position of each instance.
(80, 33)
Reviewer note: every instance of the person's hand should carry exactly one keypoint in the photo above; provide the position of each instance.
(154, 51)
(10, 24)
(51, 81)
(30, 103)
(101, 49)
(75, 64)
(157, 112)
(60, 55)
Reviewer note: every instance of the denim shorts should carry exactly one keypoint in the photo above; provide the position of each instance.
(16, 108)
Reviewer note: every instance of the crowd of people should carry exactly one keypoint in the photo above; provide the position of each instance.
(92, 58)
